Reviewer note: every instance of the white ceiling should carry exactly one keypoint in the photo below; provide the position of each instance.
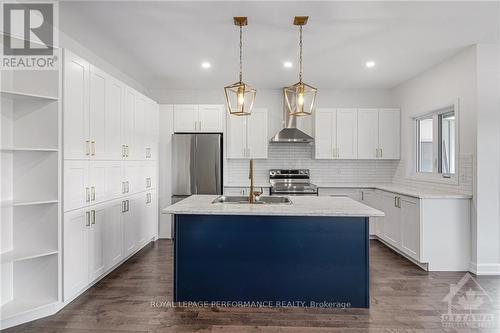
(162, 44)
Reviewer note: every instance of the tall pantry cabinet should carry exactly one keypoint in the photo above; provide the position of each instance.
(110, 173)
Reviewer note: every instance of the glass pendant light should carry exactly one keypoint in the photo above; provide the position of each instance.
(300, 98)
(240, 96)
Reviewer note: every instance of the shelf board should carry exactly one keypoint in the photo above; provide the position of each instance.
(20, 255)
(18, 307)
(29, 149)
(27, 203)
(27, 96)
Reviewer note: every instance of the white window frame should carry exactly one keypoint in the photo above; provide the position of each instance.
(435, 176)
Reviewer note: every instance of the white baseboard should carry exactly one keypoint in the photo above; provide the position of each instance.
(484, 269)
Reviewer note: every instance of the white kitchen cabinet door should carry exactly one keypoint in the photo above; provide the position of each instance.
(149, 175)
(138, 148)
(113, 233)
(257, 138)
(236, 136)
(410, 226)
(129, 227)
(127, 123)
(133, 174)
(185, 118)
(152, 215)
(76, 184)
(325, 133)
(96, 242)
(113, 179)
(76, 107)
(347, 134)
(97, 181)
(115, 93)
(75, 243)
(389, 133)
(211, 118)
(97, 106)
(368, 133)
(392, 229)
(151, 131)
(143, 221)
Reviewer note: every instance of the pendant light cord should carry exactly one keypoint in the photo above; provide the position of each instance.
(300, 54)
(241, 53)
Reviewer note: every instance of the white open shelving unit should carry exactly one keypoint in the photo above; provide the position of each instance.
(30, 206)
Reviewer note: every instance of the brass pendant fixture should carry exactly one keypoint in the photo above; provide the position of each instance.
(300, 98)
(240, 96)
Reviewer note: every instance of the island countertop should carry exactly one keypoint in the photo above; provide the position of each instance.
(301, 206)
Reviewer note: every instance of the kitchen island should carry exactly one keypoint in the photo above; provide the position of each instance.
(312, 252)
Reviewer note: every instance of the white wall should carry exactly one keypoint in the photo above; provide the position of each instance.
(470, 76)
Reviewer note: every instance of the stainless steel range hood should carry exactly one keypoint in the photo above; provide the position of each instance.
(290, 133)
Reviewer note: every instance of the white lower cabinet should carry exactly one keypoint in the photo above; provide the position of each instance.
(76, 257)
(99, 237)
(433, 232)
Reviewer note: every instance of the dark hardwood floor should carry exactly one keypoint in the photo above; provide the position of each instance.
(404, 298)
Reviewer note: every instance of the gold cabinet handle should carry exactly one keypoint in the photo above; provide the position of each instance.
(87, 220)
(87, 195)
(87, 147)
(92, 148)
(92, 193)
(93, 216)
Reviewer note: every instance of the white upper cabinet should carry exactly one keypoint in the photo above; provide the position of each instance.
(138, 147)
(379, 133)
(115, 93)
(236, 136)
(368, 133)
(257, 138)
(347, 133)
(76, 104)
(247, 136)
(325, 133)
(98, 112)
(389, 133)
(127, 122)
(151, 127)
(336, 133)
(204, 118)
(211, 118)
(185, 118)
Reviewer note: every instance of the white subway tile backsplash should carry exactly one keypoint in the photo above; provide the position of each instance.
(300, 156)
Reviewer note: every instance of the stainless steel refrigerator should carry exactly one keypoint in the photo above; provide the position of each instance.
(196, 165)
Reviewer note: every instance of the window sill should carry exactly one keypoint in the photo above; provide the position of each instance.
(434, 178)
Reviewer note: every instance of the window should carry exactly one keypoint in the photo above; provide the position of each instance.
(436, 143)
(425, 144)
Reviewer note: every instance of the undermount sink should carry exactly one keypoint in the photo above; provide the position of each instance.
(263, 200)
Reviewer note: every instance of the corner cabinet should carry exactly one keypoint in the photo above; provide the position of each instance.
(247, 136)
(336, 134)
(379, 134)
(193, 118)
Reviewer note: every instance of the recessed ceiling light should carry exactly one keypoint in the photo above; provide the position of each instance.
(205, 65)
(287, 64)
(370, 64)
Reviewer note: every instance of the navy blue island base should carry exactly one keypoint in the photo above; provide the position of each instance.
(304, 260)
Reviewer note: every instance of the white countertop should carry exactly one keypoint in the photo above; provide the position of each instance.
(301, 206)
(411, 191)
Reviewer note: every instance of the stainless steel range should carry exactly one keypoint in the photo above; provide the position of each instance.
(291, 182)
